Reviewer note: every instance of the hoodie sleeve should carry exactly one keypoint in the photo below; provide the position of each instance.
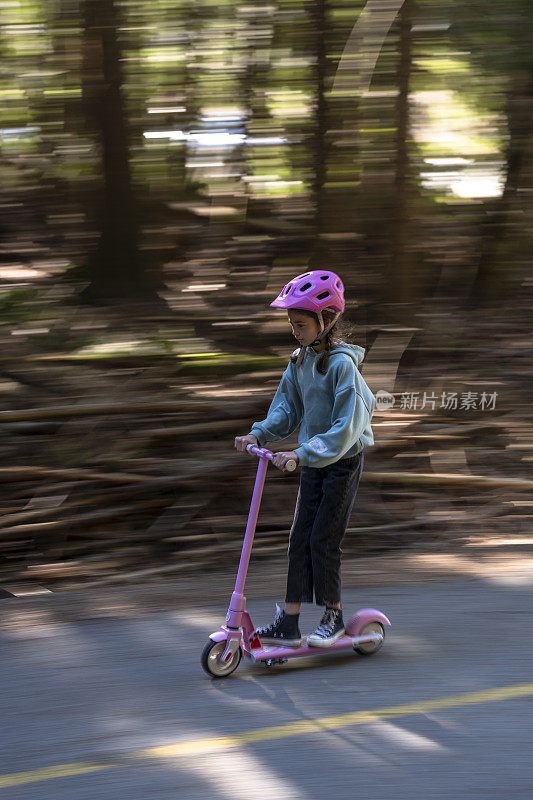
(351, 415)
(285, 412)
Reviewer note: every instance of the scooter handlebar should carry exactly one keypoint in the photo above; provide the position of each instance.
(262, 452)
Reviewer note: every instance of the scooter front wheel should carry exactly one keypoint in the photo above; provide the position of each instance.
(211, 660)
(370, 647)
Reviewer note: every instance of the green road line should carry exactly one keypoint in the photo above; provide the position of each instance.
(298, 728)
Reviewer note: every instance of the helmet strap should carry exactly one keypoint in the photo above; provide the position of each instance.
(318, 340)
(323, 330)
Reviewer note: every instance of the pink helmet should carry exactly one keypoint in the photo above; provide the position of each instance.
(313, 291)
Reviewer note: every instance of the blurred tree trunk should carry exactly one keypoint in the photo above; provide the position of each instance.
(320, 155)
(507, 231)
(402, 279)
(116, 268)
(335, 154)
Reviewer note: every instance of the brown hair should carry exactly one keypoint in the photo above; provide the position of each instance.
(340, 330)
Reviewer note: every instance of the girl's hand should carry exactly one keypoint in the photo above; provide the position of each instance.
(281, 458)
(242, 442)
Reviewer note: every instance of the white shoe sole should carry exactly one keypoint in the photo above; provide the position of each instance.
(280, 642)
(316, 641)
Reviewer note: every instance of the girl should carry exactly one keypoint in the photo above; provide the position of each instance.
(323, 393)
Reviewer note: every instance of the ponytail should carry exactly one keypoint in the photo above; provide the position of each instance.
(323, 361)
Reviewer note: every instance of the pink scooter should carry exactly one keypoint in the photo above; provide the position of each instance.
(365, 631)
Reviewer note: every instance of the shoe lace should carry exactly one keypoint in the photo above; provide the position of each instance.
(327, 623)
(266, 628)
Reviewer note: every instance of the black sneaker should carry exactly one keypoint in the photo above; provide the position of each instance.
(283, 631)
(330, 629)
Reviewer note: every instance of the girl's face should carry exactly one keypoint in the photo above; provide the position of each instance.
(304, 328)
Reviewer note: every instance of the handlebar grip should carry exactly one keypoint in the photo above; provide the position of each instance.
(290, 465)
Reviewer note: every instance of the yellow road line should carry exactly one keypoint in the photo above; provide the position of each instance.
(59, 771)
(298, 728)
(197, 746)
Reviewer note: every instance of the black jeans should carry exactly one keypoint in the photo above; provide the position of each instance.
(325, 500)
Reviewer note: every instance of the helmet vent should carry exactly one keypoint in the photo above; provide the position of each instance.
(287, 289)
(322, 295)
(305, 287)
(324, 277)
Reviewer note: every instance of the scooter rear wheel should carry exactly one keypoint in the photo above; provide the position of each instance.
(371, 647)
(211, 660)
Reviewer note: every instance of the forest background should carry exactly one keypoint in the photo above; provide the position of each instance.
(165, 167)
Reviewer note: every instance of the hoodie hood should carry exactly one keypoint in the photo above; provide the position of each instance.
(355, 352)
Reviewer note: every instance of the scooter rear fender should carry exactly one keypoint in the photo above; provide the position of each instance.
(362, 617)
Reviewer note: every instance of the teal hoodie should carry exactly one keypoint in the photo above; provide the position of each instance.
(333, 411)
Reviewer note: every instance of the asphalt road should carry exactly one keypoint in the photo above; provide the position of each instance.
(120, 708)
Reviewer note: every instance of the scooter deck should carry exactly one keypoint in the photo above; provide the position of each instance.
(344, 643)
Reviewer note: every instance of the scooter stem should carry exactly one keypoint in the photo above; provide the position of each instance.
(238, 601)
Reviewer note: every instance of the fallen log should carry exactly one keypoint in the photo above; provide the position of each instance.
(442, 430)
(140, 573)
(198, 427)
(94, 518)
(101, 498)
(18, 474)
(88, 410)
(443, 479)
(177, 406)
(26, 492)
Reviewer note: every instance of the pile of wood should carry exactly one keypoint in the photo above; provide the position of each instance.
(175, 495)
